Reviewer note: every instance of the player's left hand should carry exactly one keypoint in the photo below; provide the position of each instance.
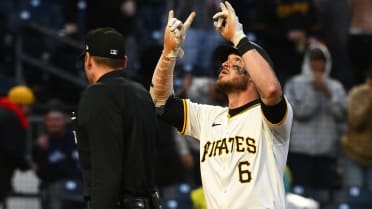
(175, 33)
(227, 23)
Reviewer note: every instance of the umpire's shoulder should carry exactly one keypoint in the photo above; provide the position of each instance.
(95, 91)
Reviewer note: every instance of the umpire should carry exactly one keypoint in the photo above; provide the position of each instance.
(115, 129)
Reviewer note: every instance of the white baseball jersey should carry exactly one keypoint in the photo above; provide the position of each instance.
(242, 158)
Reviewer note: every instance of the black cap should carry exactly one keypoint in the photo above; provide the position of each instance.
(105, 42)
(223, 51)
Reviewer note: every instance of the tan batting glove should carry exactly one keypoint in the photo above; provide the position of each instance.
(227, 24)
(174, 35)
(162, 80)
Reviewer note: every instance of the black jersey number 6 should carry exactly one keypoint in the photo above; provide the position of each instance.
(245, 175)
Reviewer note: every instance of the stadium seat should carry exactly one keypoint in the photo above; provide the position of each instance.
(353, 198)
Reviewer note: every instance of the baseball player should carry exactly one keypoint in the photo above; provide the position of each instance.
(243, 147)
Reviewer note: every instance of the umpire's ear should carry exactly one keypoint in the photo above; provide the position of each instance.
(87, 61)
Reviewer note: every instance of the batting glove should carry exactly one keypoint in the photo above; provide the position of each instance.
(227, 23)
(174, 35)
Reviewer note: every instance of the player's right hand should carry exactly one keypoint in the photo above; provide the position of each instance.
(227, 23)
(175, 33)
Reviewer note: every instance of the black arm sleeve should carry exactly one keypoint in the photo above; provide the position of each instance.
(173, 112)
(275, 113)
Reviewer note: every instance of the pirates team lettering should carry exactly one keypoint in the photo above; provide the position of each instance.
(228, 145)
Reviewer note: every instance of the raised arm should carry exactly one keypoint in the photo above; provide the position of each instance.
(227, 24)
(162, 81)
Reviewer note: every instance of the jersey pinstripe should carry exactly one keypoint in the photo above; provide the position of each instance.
(241, 156)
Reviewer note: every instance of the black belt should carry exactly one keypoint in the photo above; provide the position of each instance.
(151, 201)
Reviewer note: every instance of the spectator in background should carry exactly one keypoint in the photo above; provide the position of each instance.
(284, 28)
(13, 127)
(55, 156)
(319, 107)
(334, 19)
(360, 38)
(357, 141)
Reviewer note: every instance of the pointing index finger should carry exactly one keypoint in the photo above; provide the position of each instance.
(189, 20)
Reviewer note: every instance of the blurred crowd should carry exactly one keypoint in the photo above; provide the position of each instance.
(322, 54)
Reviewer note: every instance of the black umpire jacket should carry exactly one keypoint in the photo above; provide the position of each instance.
(116, 133)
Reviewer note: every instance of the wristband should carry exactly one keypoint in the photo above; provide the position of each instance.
(244, 45)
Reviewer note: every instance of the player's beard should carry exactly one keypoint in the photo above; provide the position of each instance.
(236, 84)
